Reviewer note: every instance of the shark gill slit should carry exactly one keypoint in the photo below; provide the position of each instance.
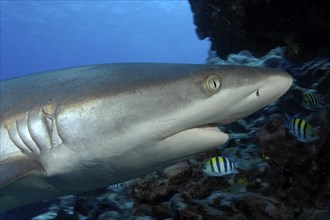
(49, 113)
(37, 127)
(56, 138)
(25, 135)
(14, 137)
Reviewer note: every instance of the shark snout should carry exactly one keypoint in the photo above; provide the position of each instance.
(277, 84)
(268, 87)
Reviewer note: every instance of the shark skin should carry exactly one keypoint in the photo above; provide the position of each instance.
(73, 130)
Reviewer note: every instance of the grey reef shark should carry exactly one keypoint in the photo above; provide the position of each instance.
(73, 130)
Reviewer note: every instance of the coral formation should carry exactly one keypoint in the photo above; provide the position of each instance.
(258, 26)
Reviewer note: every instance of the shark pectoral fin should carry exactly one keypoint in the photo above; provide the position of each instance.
(15, 168)
(192, 141)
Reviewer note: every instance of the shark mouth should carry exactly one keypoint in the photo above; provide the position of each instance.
(217, 124)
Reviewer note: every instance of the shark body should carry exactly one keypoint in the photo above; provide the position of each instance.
(73, 130)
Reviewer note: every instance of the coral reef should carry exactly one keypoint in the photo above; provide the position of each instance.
(258, 26)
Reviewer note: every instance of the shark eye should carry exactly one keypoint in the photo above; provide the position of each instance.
(212, 84)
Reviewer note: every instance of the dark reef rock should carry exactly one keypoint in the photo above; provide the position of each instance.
(303, 27)
(316, 215)
(245, 205)
(302, 168)
(152, 189)
(161, 211)
(178, 172)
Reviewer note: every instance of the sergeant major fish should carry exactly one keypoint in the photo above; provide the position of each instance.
(219, 166)
(301, 129)
(313, 101)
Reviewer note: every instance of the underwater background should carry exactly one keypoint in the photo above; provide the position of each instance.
(285, 173)
(45, 35)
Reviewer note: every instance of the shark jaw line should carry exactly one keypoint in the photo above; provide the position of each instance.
(209, 135)
(197, 139)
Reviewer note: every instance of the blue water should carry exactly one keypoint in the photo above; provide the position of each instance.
(44, 35)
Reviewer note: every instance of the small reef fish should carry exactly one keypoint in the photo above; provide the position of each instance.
(118, 187)
(301, 129)
(313, 101)
(219, 166)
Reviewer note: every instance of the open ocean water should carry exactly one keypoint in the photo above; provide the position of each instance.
(45, 35)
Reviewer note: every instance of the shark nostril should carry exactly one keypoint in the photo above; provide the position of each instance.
(258, 93)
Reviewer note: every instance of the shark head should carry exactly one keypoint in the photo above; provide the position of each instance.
(163, 112)
(166, 113)
(233, 92)
(199, 95)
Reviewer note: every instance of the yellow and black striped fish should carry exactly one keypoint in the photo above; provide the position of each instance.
(219, 166)
(313, 101)
(302, 130)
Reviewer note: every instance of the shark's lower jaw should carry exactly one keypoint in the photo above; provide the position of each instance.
(204, 137)
(191, 141)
